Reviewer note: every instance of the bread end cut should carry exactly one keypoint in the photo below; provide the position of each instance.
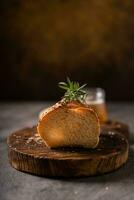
(69, 126)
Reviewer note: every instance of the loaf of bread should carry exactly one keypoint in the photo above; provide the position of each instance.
(69, 125)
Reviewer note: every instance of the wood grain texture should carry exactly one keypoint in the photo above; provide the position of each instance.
(28, 153)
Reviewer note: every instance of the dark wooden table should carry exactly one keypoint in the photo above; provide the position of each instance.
(15, 185)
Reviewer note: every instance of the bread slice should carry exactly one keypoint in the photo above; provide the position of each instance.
(69, 125)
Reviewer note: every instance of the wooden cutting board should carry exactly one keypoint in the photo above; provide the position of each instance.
(27, 152)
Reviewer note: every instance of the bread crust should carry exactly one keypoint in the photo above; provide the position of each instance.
(58, 125)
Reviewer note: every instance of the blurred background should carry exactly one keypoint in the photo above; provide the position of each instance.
(44, 41)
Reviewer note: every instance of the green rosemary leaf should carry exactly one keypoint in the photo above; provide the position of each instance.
(62, 83)
(73, 91)
(82, 86)
(63, 87)
(68, 80)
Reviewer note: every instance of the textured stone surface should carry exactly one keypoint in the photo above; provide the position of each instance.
(17, 185)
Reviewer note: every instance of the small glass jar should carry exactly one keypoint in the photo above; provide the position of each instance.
(96, 99)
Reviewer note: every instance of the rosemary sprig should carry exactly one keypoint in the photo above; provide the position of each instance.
(73, 91)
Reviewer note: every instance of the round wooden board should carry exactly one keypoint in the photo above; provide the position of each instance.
(27, 152)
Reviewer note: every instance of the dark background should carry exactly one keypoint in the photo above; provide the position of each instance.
(44, 41)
